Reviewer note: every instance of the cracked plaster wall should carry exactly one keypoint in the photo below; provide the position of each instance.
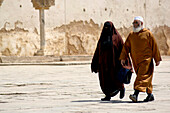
(73, 28)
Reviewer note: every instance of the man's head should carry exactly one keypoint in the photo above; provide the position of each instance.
(137, 24)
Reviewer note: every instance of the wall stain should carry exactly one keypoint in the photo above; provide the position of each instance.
(162, 34)
(75, 38)
(17, 28)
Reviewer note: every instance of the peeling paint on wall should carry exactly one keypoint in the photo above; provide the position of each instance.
(80, 37)
(162, 36)
(75, 38)
(16, 29)
(1, 2)
(75, 30)
(17, 41)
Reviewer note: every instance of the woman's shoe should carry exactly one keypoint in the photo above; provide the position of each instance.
(122, 93)
(107, 98)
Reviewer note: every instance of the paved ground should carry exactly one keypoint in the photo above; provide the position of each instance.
(73, 89)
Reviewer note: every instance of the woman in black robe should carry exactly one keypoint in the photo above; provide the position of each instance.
(106, 61)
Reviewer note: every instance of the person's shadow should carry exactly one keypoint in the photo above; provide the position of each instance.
(111, 101)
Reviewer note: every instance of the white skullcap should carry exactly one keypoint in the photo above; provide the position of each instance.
(138, 18)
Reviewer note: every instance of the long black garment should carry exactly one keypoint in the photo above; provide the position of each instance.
(106, 59)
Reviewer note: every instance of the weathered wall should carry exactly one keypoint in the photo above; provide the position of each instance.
(1, 2)
(73, 27)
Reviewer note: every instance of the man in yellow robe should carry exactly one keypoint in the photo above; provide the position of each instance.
(143, 49)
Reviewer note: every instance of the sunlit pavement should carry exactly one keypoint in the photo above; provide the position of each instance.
(74, 89)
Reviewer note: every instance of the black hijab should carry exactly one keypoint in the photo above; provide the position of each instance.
(106, 35)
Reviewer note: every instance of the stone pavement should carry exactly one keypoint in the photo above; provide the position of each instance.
(73, 89)
(43, 59)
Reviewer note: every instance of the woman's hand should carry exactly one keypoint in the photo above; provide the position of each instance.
(157, 63)
(123, 62)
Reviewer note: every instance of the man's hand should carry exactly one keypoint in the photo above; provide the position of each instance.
(126, 66)
(157, 63)
(123, 62)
